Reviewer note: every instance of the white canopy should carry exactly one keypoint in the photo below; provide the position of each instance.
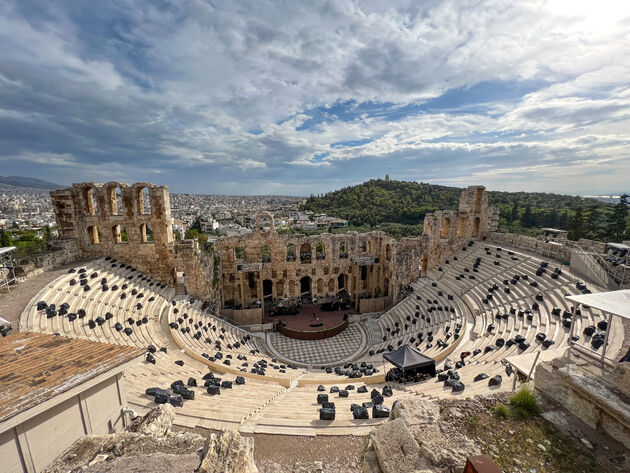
(6, 249)
(613, 302)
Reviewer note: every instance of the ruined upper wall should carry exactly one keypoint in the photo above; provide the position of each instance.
(115, 219)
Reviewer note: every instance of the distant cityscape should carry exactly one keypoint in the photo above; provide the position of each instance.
(28, 208)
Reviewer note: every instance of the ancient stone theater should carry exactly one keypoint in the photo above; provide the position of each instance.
(305, 335)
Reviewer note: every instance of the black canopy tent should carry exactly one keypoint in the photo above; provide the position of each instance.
(408, 359)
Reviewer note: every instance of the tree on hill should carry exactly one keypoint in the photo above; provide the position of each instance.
(617, 223)
(378, 202)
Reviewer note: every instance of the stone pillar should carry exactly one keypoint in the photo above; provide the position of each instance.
(259, 292)
(242, 291)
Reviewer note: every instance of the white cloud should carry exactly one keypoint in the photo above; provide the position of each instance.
(182, 86)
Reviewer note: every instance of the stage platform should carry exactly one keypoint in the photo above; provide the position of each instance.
(303, 320)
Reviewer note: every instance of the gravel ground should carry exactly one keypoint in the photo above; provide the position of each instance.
(13, 303)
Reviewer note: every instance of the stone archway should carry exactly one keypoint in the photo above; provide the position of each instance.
(267, 289)
(341, 282)
(305, 286)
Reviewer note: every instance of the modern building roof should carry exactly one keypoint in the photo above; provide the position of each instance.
(613, 302)
(35, 367)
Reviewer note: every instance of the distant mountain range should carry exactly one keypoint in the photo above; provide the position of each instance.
(21, 181)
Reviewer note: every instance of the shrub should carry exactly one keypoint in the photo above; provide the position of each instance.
(472, 422)
(524, 403)
(501, 410)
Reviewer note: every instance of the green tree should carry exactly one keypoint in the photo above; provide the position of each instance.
(194, 234)
(5, 239)
(196, 225)
(616, 225)
(177, 234)
(527, 220)
(514, 212)
(575, 225)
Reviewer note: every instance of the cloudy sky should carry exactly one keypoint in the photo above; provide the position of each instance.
(291, 97)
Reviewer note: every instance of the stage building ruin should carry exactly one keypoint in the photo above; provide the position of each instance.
(133, 224)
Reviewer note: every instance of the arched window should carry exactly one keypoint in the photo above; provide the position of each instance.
(343, 250)
(320, 286)
(388, 252)
(94, 234)
(320, 251)
(89, 195)
(364, 246)
(115, 200)
(265, 254)
(146, 233)
(144, 201)
(239, 252)
(331, 286)
(119, 234)
(305, 253)
(446, 227)
(290, 252)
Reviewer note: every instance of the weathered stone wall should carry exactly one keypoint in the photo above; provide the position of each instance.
(450, 230)
(91, 214)
(369, 265)
(324, 260)
(531, 244)
(59, 252)
(202, 271)
(588, 399)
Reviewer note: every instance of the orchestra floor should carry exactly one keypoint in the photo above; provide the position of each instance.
(304, 319)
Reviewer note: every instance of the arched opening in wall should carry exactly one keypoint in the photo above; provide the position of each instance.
(94, 234)
(461, 227)
(267, 289)
(305, 253)
(343, 250)
(149, 232)
(424, 262)
(146, 233)
(364, 246)
(446, 227)
(253, 287)
(341, 282)
(385, 287)
(144, 201)
(364, 273)
(239, 252)
(478, 196)
(388, 252)
(265, 254)
(115, 200)
(119, 234)
(476, 224)
(331, 286)
(305, 286)
(320, 251)
(89, 196)
(292, 288)
(320, 287)
(290, 252)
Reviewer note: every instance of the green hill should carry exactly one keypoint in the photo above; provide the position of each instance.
(378, 202)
